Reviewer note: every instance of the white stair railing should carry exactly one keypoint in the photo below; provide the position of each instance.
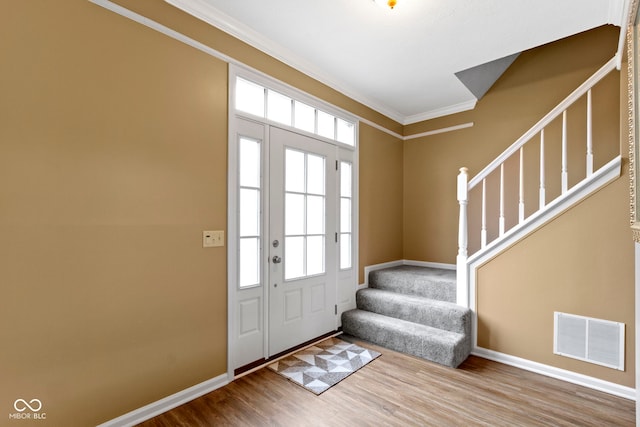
(465, 185)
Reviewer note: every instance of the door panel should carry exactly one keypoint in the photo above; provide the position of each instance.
(302, 212)
(248, 295)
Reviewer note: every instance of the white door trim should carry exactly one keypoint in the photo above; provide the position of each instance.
(344, 152)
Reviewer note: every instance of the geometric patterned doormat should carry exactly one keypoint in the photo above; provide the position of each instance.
(323, 365)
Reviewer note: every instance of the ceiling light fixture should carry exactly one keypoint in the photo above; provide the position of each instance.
(390, 3)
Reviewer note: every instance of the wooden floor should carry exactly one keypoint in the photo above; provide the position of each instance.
(400, 390)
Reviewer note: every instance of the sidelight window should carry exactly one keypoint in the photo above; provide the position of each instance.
(249, 212)
(346, 206)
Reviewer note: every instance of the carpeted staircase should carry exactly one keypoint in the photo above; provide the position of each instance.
(412, 310)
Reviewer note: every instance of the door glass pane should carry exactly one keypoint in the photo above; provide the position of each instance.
(326, 125)
(249, 202)
(249, 212)
(294, 214)
(345, 179)
(304, 117)
(293, 257)
(315, 255)
(315, 215)
(345, 251)
(346, 132)
(278, 107)
(305, 214)
(249, 97)
(345, 215)
(315, 174)
(249, 262)
(249, 152)
(294, 171)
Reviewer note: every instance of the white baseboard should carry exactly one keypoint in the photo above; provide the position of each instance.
(399, 262)
(163, 405)
(560, 374)
(527, 365)
(375, 267)
(429, 264)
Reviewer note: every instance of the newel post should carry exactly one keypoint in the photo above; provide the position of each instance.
(462, 291)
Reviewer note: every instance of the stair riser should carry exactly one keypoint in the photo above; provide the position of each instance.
(400, 338)
(412, 310)
(452, 318)
(435, 284)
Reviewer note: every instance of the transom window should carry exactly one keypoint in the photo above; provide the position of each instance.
(257, 100)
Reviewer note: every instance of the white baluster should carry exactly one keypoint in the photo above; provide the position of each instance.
(501, 218)
(483, 230)
(565, 171)
(462, 291)
(521, 188)
(589, 136)
(542, 190)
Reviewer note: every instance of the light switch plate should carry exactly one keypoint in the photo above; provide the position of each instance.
(212, 239)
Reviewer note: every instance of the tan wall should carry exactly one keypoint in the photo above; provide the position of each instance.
(537, 81)
(582, 262)
(112, 162)
(380, 164)
(380, 198)
(113, 153)
(167, 15)
(589, 272)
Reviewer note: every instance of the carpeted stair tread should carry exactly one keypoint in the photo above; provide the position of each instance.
(440, 346)
(433, 283)
(412, 309)
(438, 314)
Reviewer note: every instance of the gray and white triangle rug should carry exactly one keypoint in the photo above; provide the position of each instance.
(323, 365)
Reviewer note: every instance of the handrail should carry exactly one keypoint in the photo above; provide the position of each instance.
(552, 115)
(465, 185)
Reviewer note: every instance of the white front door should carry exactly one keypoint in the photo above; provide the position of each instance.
(292, 269)
(302, 242)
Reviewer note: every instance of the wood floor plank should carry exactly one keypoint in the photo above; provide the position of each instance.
(401, 390)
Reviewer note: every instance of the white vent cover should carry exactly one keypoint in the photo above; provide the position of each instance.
(591, 340)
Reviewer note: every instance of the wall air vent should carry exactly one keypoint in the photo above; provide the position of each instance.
(590, 340)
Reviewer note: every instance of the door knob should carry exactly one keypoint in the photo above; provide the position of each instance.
(276, 259)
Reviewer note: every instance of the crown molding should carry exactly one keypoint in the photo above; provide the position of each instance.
(202, 10)
(444, 111)
(617, 9)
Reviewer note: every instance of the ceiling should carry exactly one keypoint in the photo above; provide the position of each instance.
(401, 62)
